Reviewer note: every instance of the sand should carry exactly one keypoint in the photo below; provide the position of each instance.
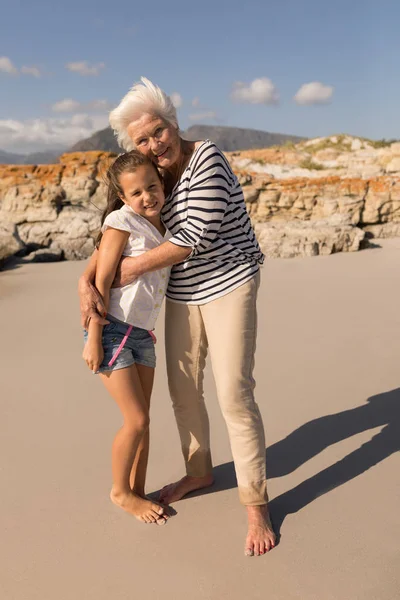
(328, 379)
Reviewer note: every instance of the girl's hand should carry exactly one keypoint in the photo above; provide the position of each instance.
(93, 355)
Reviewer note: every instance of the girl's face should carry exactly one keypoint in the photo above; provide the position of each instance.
(156, 139)
(143, 191)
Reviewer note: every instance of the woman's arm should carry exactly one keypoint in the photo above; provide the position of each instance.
(165, 255)
(129, 269)
(210, 189)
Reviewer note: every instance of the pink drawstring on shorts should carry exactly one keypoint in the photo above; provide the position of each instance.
(122, 344)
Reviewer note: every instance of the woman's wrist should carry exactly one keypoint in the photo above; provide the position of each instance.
(83, 283)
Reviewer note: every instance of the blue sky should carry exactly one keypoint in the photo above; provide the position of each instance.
(62, 65)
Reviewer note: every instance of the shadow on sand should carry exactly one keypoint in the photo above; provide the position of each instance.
(312, 438)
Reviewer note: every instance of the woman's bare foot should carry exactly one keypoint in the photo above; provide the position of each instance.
(144, 510)
(260, 537)
(175, 491)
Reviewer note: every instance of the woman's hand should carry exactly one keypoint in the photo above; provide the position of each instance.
(127, 271)
(91, 304)
(93, 355)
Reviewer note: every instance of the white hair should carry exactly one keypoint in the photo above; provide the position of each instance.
(143, 97)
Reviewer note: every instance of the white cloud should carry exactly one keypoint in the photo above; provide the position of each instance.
(202, 116)
(68, 105)
(34, 71)
(84, 68)
(98, 105)
(82, 120)
(196, 102)
(47, 133)
(7, 66)
(259, 91)
(176, 99)
(314, 93)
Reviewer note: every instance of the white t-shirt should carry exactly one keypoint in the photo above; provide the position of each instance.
(138, 303)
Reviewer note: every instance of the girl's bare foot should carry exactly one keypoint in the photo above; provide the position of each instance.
(144, 510)
(175, 491)
(260, 537)
(165, 515)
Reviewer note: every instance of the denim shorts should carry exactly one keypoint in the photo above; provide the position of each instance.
(138, 348)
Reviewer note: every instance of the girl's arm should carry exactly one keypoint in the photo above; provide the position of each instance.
(112, 245)
(91, 303)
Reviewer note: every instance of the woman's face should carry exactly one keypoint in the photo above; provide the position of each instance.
(156, 139)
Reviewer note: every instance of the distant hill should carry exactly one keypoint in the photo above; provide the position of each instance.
(226, 138)
(42, 158)
(9, 158)
(101, 140)
(236, 138)
(35, 158)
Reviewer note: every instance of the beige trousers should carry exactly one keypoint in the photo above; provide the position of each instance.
(228, 327)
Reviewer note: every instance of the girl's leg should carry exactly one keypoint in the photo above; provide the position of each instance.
(139, 468)
(125, 387)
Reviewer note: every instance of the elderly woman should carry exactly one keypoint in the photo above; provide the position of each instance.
(211, 299)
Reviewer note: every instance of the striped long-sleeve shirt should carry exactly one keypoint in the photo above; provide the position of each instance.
(206, 211)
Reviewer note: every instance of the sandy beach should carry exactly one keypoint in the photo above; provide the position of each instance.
(328, 386)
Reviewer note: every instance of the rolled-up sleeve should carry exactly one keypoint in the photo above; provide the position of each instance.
(117, 220)
(208, 196)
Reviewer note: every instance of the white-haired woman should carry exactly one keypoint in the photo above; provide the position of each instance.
(211, 299)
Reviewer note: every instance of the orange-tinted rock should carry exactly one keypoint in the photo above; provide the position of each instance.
(60, 205)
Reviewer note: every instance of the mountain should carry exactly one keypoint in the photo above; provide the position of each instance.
(236, 138)
(9, 158)
(47, 157)
(101, 140)
(226, 138)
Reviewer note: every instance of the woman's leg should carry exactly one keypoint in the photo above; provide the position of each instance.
(231, 328)
(125, 387)
(186, 350)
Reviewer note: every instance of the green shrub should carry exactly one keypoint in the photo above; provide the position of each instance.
(309, 164)
(341, 145)
(383, 143)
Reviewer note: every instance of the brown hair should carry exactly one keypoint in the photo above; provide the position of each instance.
(125, 163)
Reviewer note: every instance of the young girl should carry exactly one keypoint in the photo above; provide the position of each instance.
(123, 351)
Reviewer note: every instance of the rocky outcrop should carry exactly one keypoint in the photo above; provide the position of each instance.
(306, 217)
(281, 239)
(342, 156)
(366, 202)
(54, 206)
(54, 210)
(10, 243)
